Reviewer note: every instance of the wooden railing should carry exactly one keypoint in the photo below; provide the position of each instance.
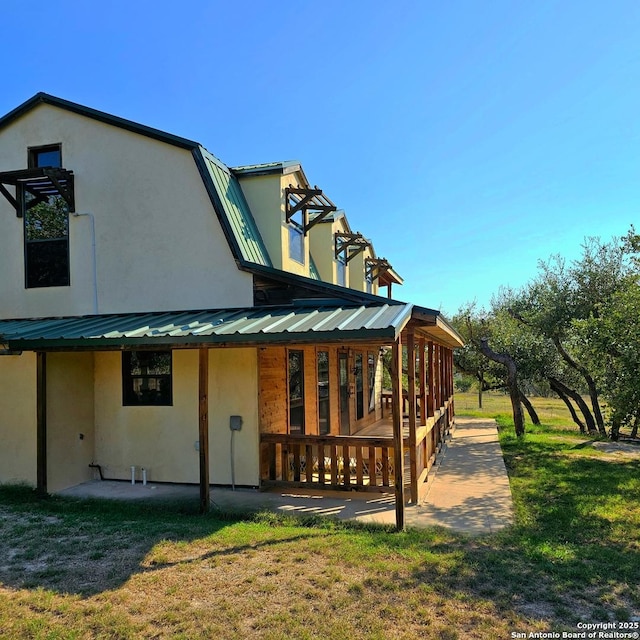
(351, 462)
(329, 462)
(429, 439)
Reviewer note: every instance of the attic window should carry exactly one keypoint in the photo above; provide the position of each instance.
(49, 156)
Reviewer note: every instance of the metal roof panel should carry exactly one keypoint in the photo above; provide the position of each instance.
(251, 324)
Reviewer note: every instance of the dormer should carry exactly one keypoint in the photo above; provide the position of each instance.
(285, 208)
(381, 274)
(332, 265)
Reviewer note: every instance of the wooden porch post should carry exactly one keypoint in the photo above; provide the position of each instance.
(422, 368)
(203, 427)
(432, 387)
(411, 395)
(398, 453)
(41, 423)
(438, 376)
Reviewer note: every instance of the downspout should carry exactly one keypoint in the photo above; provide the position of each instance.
(94, 258)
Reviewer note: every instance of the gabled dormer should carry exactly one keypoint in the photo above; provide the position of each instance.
(285, 207)
(331, 261)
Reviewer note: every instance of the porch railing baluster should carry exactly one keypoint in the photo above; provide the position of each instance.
(372, 467)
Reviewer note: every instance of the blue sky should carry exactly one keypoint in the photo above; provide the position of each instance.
(468, 140)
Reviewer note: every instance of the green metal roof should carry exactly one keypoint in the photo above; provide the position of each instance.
(233, 210)
(314, 274)
(266, 168)
(307, 321)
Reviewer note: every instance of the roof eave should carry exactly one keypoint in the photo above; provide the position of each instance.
(101, 116)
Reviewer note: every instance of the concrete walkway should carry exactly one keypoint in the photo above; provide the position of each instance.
(469, 490)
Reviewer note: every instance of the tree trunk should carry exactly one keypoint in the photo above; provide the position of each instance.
(529, 407)
(563, 396)
(615, 429)
(634, 431)
(593, 391)
(512, 383)
(577, 398)
(480, 389)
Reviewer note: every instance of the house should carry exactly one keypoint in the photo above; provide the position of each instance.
(213, 325)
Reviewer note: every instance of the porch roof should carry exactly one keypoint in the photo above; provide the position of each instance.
(304, 321)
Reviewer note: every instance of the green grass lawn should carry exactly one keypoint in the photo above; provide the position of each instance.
(74, 569)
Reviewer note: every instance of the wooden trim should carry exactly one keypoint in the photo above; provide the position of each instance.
(422, 368)
(411, 384)
(203, 427)
(41, 422)
(396, 408)
(431, 385)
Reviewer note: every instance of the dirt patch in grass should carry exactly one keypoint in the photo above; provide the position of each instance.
(619, 449)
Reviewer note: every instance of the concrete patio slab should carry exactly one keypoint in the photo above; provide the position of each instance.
(469, 491)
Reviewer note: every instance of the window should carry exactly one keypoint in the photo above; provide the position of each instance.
(371, 370)
(359, 387)
(296, 392)
(323, 392)
(341, 273)
(46, 228)
(296, 242)
(147, 378)
(50, 156)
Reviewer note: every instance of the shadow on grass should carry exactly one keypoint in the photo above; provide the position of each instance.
(88, 546)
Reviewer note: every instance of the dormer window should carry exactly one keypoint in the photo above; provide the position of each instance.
(341, 272)
(296, 242)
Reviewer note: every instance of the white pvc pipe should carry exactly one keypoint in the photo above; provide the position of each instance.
(144, 477)
(133, 475)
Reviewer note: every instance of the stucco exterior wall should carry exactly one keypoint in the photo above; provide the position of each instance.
(18, 418)
(266, 198)
(233, 390)
(70, 419)
(160, 439)
(159, 245)
(322, 249)
(163, 440)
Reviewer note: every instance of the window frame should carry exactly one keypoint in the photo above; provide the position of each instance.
(371, 379)
(358, 374)
(326, 386)
(65, 273)
(296, 234)
(299, 429)
(33, 152)
(128, 379)
(341, 268)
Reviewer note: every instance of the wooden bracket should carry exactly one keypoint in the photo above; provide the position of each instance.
(306, 201)
(41, 183)
(349, 245)
(374, 268)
